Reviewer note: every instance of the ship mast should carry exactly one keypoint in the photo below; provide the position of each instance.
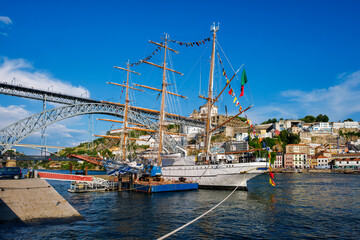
(163, 91)
(125, 122)
(210, 101)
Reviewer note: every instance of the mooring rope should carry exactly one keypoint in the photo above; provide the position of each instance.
(207, 212)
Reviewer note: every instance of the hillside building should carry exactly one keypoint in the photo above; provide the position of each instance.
(216, 119)
(279, 160)
(322, 162)
(353, 163)
(290, 125)
(298, 148)
(321, 127)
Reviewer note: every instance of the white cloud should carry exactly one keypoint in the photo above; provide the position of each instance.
(338, 102)
(24, 74)
(67, 133)
(62, 131)
(5, 20)
(12, 114)
(262, 113)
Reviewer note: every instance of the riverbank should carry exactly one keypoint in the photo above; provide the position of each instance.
(343, 171)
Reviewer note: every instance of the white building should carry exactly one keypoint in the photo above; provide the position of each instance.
(321, 127)
(351, 124)
(192, 131)
(146, 140)
(338, 125)
(242, 136)
(353, 163)
(322, 162)
(287, 124)
(202, 113)
(279, 160)
(299, 160)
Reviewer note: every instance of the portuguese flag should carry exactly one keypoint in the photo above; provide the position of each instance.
(243, 82)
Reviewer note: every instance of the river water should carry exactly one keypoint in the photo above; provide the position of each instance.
(301, 206)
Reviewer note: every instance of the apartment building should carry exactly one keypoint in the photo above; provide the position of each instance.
(353, 163)
(321, 127)
(279, 160)
(322, 162)
(288, 160)
(288, 124)
(298, 148)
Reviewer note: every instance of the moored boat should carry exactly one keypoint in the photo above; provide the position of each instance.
(209, 170)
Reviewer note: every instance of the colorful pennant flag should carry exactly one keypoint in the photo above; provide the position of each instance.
(147, 58)
(242, 91)
(271, 178)
(192, 44)
(272, 183)
(231, 91)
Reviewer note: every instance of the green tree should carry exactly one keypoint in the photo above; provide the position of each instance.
(255, 143)
(274, 120)
(242, 118)
(270, 142)
(272, 157)
(325, 118)
(288, 138)
(348, 120)
(81, 151)
(322, 118)
(309, 119)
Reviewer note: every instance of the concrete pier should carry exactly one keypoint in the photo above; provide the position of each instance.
(33, 201)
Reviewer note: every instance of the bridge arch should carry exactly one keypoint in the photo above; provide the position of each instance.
(14, 133)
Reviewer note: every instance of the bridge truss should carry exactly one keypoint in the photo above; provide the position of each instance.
(14, 133)
(75, 106)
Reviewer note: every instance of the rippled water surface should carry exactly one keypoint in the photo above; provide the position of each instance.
(301, 206)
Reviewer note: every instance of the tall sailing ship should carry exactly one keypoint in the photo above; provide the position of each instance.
(211, 170)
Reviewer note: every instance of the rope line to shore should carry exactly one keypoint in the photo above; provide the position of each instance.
(202, 215)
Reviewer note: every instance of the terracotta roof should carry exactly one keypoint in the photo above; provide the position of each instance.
(321, 156)
(297, 145)
(347, 160)
(347, 155)
(294, 153)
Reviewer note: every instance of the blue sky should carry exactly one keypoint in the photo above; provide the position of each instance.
(301, 57)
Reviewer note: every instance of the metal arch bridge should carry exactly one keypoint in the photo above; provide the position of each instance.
(48, 96)
(23, 128)
(78, 106)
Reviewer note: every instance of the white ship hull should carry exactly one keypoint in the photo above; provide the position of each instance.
(221, 176)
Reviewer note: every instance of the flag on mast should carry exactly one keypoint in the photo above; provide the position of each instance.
(243, 82)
